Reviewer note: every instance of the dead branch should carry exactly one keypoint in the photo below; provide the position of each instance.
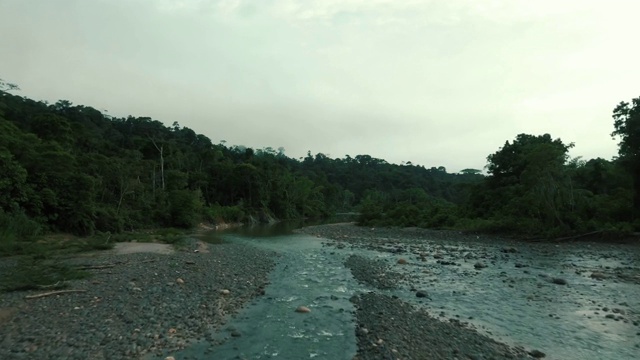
(92, 267)
(52, 286)
(52, 293)
(578, 236)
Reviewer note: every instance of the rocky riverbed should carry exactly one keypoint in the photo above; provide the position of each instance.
(449, 285)
(134, 305)
(396, 293)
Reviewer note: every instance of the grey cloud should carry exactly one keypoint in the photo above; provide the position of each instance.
(432, 82)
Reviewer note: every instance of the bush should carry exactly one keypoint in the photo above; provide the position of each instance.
(34, 272)
(17, 233)
(185, 207)
(18, 227)
(224, 214)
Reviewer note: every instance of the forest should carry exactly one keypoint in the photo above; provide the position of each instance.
(68, 168)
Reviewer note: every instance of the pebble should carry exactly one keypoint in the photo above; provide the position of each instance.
(122, 314)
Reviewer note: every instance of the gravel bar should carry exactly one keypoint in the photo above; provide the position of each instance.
(373, 272)
(135, 306)
(390, 328)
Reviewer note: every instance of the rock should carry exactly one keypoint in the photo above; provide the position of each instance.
(559, 281)
(537, 354)
(479, 265)
(421, 294)
(518, 265)
(402, 261)
(169, 358)
(225, 292)
(509, 250)
(598, 276)
(444, 262)
(303, 309)
(179, 281)
(235, 333)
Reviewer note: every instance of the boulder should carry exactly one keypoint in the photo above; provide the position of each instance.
(559, 281)
(537, 354)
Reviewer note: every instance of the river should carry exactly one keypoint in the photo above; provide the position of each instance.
(517, 305)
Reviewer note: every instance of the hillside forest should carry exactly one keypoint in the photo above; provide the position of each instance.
(73, 169)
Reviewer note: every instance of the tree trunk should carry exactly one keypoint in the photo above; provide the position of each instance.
(161, 151)
(636, 192)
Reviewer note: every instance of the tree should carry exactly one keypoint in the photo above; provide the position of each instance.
(527, 183)
(7, 86)
(470, 172)
(626, 121)
(508, 163)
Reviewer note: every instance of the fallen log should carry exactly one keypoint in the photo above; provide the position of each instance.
(52, 293)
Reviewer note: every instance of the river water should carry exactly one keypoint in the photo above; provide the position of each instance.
(516, 305)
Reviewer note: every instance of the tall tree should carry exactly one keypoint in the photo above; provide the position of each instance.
(626, 121)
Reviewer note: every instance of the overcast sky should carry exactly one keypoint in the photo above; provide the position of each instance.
(440, 82)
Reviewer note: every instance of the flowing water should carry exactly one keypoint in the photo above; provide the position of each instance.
(516, 305)
(522, 306)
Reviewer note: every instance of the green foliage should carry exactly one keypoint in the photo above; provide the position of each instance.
(184, 208)
(70, 168)
(627, 127)
(17, 233)
(32, 272)
(224, 214)
(407, 208)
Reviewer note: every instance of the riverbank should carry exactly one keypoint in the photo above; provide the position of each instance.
(134, 304)
(433, 292)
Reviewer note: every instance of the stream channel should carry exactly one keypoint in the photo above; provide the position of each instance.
(511, 304)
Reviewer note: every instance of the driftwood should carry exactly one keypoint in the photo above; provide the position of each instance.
(95, 267)
(578, 236)
(52, 286)
(52, 293)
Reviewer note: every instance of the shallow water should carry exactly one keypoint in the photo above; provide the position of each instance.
(306, 275)
(518, 306)
(521, 306)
